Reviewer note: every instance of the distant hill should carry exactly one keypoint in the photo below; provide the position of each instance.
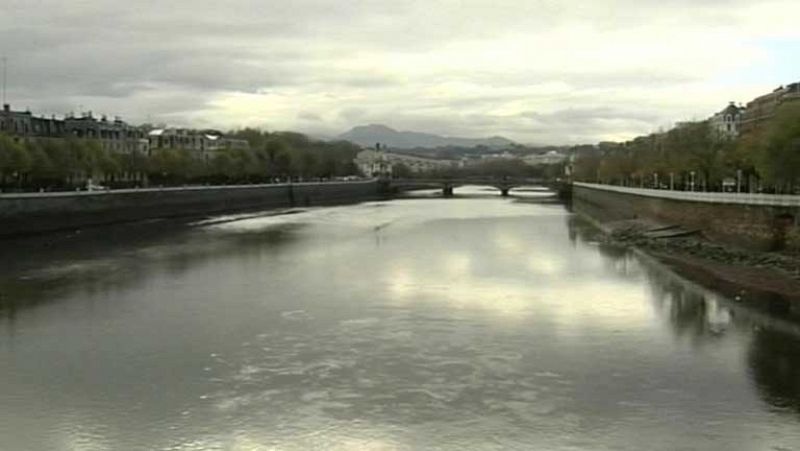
(368, 135)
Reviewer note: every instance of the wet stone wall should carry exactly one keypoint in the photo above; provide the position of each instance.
(759, 227)
(35, 213)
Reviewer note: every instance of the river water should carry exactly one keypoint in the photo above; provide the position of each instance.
(474, 322)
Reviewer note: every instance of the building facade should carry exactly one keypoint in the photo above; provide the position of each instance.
(113, 135)
(548, 158)
(16, 123)
(116, 135)
(373, 163)
(201, 144)
(761, 109)
(727, 123)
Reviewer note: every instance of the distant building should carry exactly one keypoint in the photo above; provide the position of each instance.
(551, 157)
(116, 135)
(202, 144)
(113, 135)
(761, 109)
(726, 123)
(48, 127)
(17, 123)
(25, 124)
(373, 163)
(503, 155)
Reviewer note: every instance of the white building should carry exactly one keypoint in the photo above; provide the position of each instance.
(726, 123)
(201, 144)
(374, 163)
(551, 157)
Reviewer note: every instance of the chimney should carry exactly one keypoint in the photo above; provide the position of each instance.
(6, 108)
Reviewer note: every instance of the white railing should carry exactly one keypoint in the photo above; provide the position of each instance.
(172, 189)
(779, 200)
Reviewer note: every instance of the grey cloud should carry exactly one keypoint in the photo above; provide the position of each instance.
(353, 114)
(593, 114)
(584, 125)
(158, 60)
(574, 125)
(309, 116)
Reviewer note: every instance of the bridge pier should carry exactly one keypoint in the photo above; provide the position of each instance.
(504, 191)
(447, 191)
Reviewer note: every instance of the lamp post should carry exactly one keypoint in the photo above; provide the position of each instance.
(671, 181)
(738, 180)
(5, 77)
(691, 180)
(655, 179)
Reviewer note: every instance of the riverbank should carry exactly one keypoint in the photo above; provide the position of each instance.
(768, 280)
(757, 222)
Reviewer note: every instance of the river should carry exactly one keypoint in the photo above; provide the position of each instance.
(474, 322)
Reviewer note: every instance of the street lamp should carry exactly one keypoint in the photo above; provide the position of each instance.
(691, 178)
(655, 179)
(738, 180)
(671, 181)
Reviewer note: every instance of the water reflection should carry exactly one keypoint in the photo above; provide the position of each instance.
(467, 323)
(59, 271)
(703, 317)
(774, 359)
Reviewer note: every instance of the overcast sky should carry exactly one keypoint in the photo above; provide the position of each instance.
(534, 71)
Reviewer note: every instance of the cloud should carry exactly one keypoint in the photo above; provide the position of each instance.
(307, 116)
(545, 71)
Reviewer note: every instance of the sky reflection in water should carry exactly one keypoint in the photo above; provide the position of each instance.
(465, 323)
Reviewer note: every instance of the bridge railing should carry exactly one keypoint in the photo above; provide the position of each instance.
(469, 180)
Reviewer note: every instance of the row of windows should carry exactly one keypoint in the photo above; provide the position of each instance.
(15, 126)
(25, 128)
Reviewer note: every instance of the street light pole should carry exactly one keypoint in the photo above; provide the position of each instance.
(691, 177)
(738, 180)
(5, 77)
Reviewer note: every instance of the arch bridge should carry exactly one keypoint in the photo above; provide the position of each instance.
(447, 185)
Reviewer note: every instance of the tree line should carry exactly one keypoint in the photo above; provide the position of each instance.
(68, 163)
(694, 156)
(488, 168)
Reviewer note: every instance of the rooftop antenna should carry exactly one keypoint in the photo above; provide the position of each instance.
(5, 77)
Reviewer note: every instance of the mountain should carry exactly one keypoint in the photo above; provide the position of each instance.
(369, 135)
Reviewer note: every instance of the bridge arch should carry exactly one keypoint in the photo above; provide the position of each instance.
(448, 185)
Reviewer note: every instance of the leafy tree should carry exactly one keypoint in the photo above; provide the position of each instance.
(70, 161)
(401, 171)
(41, 168)
(14, 161)
(225, 166)
(779, 147)
(308, 164)
(587, 166)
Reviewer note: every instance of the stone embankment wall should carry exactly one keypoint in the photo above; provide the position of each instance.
(42, 212)
(757, 221)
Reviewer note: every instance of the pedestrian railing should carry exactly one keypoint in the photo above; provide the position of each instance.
(781, 200)
(108, 192)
